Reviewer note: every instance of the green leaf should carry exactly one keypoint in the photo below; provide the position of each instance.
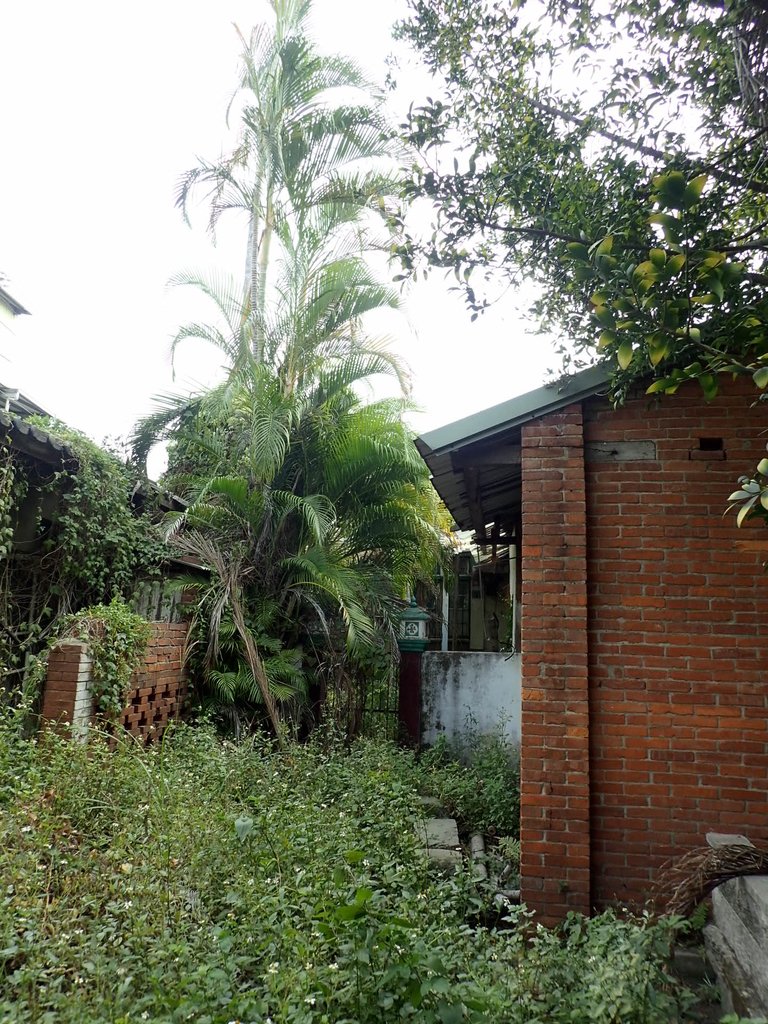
(745, 510)
(762, 467)
(658, 257)
(670, 189)
(676, 263)
(646, 271)
(760, 377)
(692, 193)
(669, 224)
(605, 247)
(577, 251)
(606, 338)
(708, 383)
(604, 316)
(349, 911)
(625, 354)
(658, 347)
(706, 299)
(450, 1013)
(354, 856)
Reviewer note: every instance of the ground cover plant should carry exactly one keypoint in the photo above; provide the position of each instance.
(476, 777)
(219, 882)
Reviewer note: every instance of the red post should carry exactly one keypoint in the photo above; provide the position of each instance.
(409, 695)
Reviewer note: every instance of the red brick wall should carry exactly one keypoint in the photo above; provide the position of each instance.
(677, 604)
(645, 696)
(159, 686)
(555, 864)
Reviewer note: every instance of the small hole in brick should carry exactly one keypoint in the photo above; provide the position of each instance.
(710, 444)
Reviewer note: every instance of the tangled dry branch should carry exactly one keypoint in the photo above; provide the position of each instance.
(683, 883)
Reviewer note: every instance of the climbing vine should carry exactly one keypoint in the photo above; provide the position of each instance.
(70, 538)
(100, 545)
(117, 640)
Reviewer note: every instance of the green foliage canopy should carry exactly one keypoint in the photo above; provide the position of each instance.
(615, 155)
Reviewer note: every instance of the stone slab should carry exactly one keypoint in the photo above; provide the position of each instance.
(446, 861)
(739, 994)
(440, 833)
(432, 806)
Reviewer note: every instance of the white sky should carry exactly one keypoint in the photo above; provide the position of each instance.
(104, 106)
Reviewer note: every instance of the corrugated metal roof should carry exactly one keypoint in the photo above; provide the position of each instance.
(529, 406)
(473, 461)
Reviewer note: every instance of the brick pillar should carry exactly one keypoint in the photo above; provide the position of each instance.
(555, 864)
(67, 696)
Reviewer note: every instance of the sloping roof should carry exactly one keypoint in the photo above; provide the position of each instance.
(35, 441)
(475, 461)
(15, 307)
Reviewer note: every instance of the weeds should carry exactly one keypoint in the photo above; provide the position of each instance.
(477, 779)
(217, 882)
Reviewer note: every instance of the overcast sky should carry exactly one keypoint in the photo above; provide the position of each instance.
(104, 106)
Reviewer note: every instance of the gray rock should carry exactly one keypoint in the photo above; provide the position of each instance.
(440, 833)
(739, 993)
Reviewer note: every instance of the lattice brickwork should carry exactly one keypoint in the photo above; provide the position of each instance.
(159, 686)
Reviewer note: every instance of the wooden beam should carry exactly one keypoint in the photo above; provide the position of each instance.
(504, 455)
(472, 488)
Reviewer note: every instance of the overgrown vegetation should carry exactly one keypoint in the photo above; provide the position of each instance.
(221, 882)
(70, 537)
(117, 640)
(477, 780)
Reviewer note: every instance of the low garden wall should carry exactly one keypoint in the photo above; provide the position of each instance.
(477, 689)
(158, 687)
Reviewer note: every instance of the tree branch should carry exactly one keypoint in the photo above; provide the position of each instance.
(649, 151)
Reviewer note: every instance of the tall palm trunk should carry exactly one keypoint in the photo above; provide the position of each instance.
(259, 270)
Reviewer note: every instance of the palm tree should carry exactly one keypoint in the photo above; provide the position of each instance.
(299, 152)
(325, 512)
(309, 507)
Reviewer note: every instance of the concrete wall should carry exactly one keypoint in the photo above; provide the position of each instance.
(479, 685)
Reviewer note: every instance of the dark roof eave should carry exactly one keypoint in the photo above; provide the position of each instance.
(498, 425)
